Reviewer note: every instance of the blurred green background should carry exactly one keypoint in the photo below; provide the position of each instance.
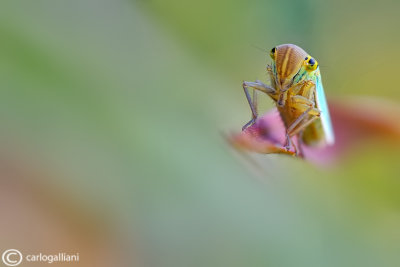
(113, 115)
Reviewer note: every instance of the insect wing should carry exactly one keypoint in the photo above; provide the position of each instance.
(323, 107)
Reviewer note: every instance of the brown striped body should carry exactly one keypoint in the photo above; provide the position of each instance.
(289, 59)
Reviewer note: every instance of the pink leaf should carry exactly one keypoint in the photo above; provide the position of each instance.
(354, 121)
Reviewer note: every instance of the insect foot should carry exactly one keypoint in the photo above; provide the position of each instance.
(247, 125)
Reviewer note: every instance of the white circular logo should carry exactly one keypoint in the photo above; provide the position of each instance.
(12, 257)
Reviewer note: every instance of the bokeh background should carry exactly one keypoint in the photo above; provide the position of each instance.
(113, 116)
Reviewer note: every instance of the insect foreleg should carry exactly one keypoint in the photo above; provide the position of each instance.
(260, 86)
(298, 99)
(257, 85)
(308, 90)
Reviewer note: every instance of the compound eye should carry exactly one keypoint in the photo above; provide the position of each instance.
(311, 63)
(273, 53)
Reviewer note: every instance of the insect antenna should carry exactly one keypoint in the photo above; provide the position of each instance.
(259, 48)
(323, 66)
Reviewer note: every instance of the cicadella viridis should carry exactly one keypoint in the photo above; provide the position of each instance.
(296, 88)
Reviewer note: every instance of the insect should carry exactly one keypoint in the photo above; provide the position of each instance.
(297, 90)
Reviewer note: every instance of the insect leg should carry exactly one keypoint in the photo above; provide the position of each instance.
(305, 102)
(297, 121)
(301, 122)
(289, 144)
(253, 102)
(303, 125)
(301, 103)
(260, 86)
(252, 105)
(301, 152)
(282, 98)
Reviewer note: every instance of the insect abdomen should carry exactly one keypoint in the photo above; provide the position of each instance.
(313, 134)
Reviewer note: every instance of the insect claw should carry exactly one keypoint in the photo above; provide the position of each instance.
(287, 143)
(250, 123)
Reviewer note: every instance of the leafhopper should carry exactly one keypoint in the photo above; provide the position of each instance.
(296, 88)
